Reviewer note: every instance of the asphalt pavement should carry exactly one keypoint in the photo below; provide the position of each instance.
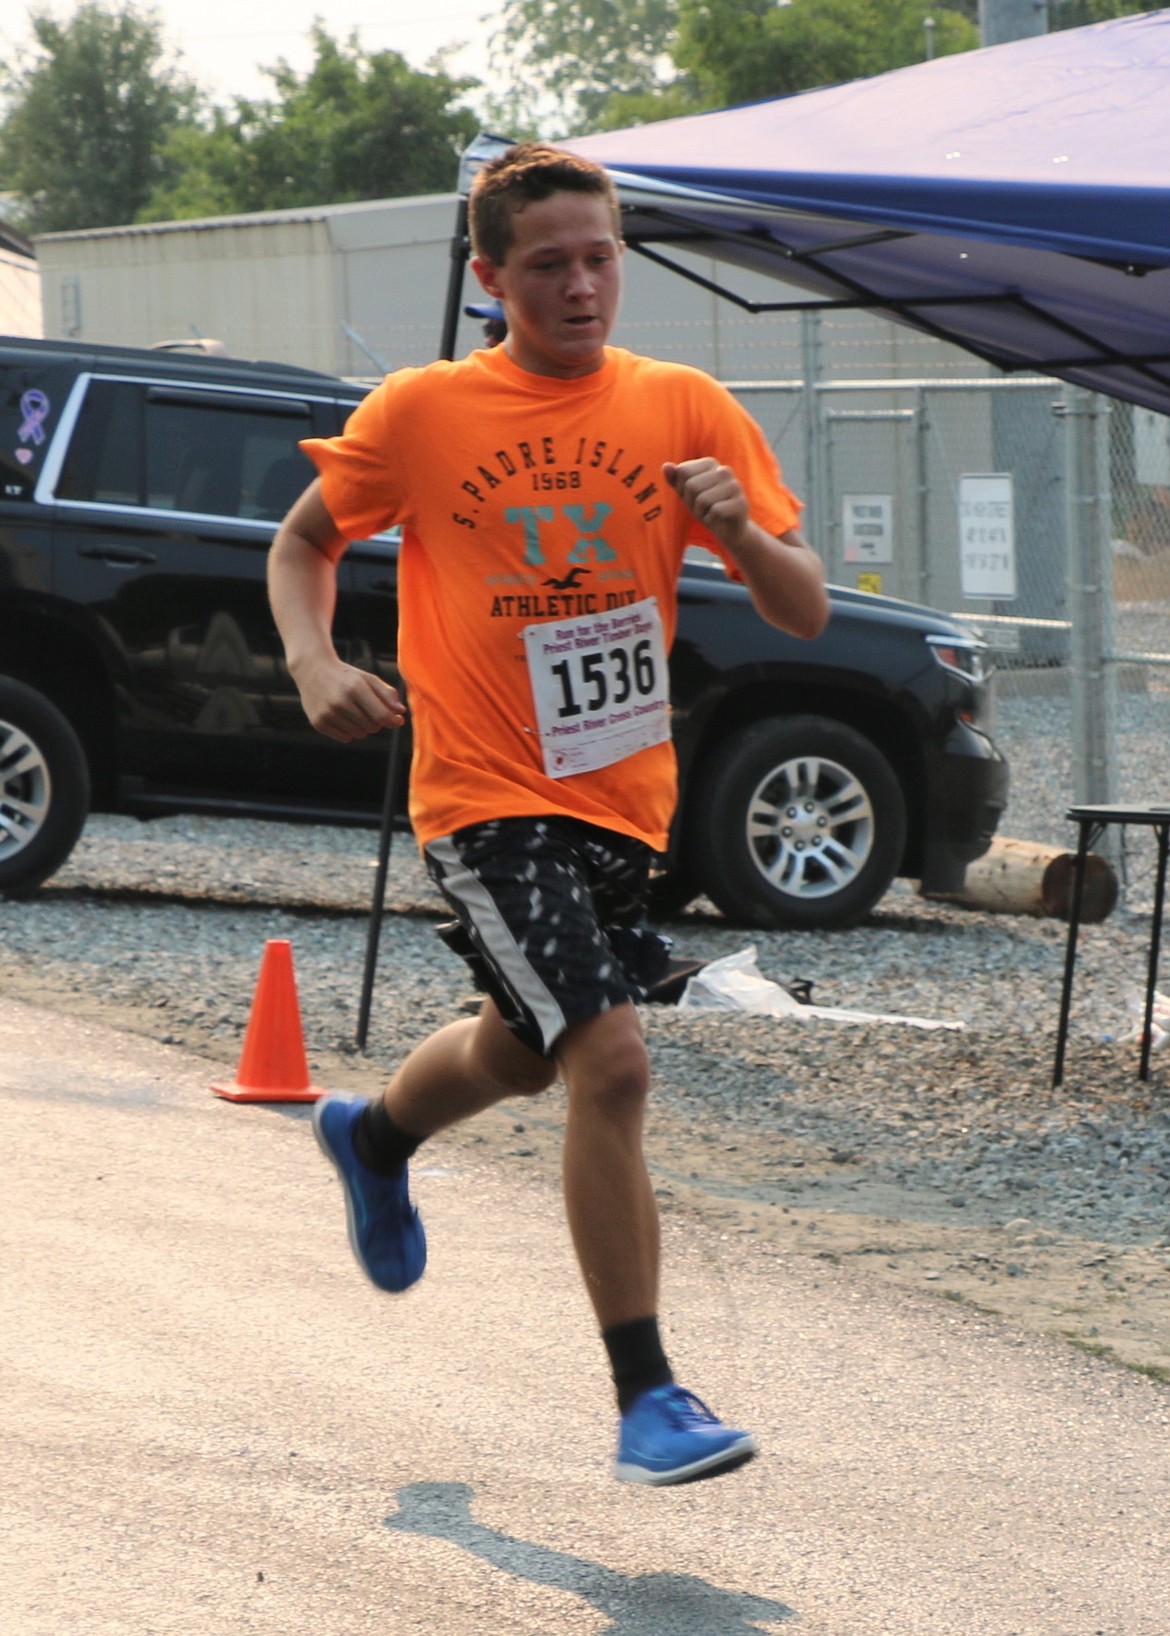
(213, 1425)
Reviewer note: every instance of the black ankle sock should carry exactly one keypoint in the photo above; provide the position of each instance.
(636, 1359)
(380, 1144)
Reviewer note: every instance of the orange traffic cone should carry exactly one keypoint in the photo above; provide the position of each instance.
(272, 1063)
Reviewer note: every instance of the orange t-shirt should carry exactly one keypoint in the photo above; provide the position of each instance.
(526, 500)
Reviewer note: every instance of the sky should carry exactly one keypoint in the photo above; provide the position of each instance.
(223, 41)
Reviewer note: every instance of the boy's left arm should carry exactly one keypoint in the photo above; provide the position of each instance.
(785, 576)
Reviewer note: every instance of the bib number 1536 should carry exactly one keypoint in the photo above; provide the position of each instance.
(600, 687)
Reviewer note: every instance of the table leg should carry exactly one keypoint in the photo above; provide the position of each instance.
(1070, 956)
(1162, 832)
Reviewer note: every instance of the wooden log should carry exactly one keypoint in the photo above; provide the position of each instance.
(1024, 878)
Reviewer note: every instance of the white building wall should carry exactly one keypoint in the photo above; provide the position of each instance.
(251, 284)
(20, 295)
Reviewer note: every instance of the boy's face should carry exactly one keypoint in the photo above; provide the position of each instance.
(560, 284)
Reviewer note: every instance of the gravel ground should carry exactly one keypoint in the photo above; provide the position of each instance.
(944, 1157)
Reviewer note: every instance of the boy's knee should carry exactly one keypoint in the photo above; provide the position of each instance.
(608, 1069)
(619, 1088)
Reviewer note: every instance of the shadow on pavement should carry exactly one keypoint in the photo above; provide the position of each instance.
(678, 1604)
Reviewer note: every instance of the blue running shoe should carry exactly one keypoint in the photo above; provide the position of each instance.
(669, 1436)
(385, 1232)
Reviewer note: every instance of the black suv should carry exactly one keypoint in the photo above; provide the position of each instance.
(140, 670)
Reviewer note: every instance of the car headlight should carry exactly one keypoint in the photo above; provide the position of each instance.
(964, 656)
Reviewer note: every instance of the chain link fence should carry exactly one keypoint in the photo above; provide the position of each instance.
(1039, 515)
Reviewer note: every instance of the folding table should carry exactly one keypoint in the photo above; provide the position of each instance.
(1092, 822)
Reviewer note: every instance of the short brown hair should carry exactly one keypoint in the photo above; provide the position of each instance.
(523, 174)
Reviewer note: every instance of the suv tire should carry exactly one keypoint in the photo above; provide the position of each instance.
(44, 788)
(797, 822)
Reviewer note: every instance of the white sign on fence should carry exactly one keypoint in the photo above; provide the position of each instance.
(987, 535)
(1151, 447)
(868, 528)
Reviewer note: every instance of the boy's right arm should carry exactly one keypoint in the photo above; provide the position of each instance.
(341, 701)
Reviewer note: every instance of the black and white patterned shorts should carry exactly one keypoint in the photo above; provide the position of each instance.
(551, 919)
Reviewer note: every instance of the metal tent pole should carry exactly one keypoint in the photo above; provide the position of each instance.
(374, 932)
(394, 770)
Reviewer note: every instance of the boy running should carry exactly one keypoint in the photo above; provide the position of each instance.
(547, 489)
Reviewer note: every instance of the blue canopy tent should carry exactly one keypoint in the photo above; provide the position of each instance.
(1013, 200)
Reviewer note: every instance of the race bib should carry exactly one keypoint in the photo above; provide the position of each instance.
(600, 687)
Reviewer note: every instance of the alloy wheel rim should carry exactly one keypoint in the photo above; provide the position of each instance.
(25, 790)
(810, 827)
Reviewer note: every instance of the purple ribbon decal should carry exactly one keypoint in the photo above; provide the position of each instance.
(34, 406)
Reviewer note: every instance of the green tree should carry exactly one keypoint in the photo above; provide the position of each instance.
(627, 108)
(88, 117)
(568, 61)
(356, 126)
(201, 165)
(1076, 13)
(745, 50)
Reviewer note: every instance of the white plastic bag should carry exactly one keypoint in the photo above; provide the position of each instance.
(735, 983)
(1159, 1019)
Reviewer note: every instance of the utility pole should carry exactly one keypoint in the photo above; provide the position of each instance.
(1092, 674)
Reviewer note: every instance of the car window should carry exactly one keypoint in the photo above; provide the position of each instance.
(272, 475)
(185, 450)
(224, 461)
(103, 462)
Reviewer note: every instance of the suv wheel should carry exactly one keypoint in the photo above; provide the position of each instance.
(44, 788)
(798, 822)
